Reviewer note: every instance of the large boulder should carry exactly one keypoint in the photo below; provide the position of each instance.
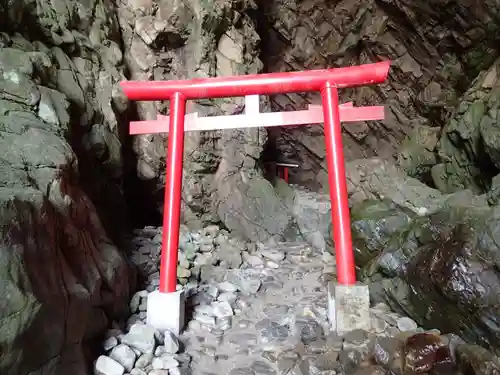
(245, 201)
(441, 269)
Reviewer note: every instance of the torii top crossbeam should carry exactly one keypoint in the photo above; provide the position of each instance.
(258, 84)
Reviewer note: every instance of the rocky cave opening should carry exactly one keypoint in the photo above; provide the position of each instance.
(81, 200)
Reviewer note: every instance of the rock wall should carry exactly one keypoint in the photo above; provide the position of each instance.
(62, 278)
(172, 39)
(437, 49)
(468, 151)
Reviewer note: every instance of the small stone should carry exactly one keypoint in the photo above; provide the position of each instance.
(204, 259)
(183, 260)
(159, 372)
(226, 286)
(272, 265)
(183, 273)
(405, 324)
(327, 361)
(274, 255)
(378, 325)
(243, 339)
(273, 309)
(262, 368)
(308, 329)
(124, 356)
(222, 309)
(357, 337)
(372, 370)
(141, 337)
(165, 362)
(271, 331)
(328, 258)
(209, 290)
(183, 358)
(205, 319)
(134, 303)
(179, 371)
(144, 360)
(107, 366)
(248, 285)
(334, 341)
(171, 343)
(242, 371)
(159, 351)
(137, 371)
(227, 297)
(385, 350)
(349, 360)
(253, 260)
(223, 324)
(109, 343)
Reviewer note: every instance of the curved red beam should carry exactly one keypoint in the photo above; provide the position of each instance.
(258, 84)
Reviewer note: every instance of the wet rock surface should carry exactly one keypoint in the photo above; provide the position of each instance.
(269, 317)
(439, 269)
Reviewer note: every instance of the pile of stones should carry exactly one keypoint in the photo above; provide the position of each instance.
(261, 309)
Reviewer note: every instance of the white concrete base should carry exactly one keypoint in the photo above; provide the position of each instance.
(165, 311)
(348, 308)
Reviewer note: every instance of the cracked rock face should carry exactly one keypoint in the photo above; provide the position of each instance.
(62, 278)
(437, 51)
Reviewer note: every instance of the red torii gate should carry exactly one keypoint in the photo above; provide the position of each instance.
(326, 81)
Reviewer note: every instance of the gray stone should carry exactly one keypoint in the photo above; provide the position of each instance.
(308, 329)
(124, 356)
(141, 337)
(109, 343)
(227, 297)
(385, 350)
(134, 303)
(271, 331)
(222, 309)
(171, 343)
(159, 372)
(226, 286)
(165, 362)
(245, 280)
(107, 366)
(262, 368)
(405, 324)
(144, 360)
(349, 360)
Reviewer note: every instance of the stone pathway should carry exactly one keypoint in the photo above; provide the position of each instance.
(262, 310)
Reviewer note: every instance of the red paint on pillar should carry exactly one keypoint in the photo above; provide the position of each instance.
(285, 174)
(341, 221)
(173, 187)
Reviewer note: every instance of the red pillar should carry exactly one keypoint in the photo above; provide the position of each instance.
(285, 174)
(173, 187)
(338, 187)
